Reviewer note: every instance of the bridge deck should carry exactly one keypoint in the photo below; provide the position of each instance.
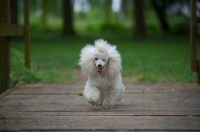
(52, 107)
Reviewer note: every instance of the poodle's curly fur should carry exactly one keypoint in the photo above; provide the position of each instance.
(102, 64)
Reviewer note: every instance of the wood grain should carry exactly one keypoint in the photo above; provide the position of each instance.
(11, 30)
(102, 123)
(5, 47)
(144, 107)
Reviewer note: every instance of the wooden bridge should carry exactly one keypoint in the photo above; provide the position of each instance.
(61, 107)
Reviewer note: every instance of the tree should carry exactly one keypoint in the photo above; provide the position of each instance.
(160, 10)
(68, 29)
(124, 4)
(108, 10)
(47, 10)
(140, 29)
(44, 11)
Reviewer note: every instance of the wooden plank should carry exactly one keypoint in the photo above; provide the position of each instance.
(198, 70)
(26, 34)
(198, 28)
(11, 30)
(63, 89)
(58, 130)
(154, 109)
(105, 112)
(4, 63)
(8, 91)
(98, 123)
(106, 131)
(152, 102)
(80, 91)
(62, 92)
(177, 86)
(193, 35)
(4, 48)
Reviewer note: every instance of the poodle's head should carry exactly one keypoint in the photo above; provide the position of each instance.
(100, 58)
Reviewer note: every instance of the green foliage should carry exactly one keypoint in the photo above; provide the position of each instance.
(47, 16)
(109, 28)
(148, 78)
(187, 96)
(159, 60)
(150, 60)
(163, 59)
(19, 73)
(179, 26)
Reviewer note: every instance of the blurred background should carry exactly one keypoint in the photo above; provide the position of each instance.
(151, 35)
(97, 17)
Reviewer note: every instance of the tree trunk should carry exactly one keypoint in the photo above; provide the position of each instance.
(14, 11)
(124, 4)
(108, 10)
(160, 11)
(44, 12)
(68, 29)
(4, 48)
(140, 29)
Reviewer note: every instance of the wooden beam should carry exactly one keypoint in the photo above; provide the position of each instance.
(26, 34)
(198, 28)
(198, 70)
(4, 48)
(11, 30)
(193, 35)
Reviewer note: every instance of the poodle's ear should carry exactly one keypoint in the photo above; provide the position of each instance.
(86, 61)
(114, 62)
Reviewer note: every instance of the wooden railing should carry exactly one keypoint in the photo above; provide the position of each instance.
(194, 30)
(7, 31)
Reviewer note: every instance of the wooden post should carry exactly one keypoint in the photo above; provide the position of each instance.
(198, 70)
(193, 34)
(26, 34)
(4, 47)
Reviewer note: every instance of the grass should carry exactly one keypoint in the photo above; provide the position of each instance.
(188, 95)
(158, 61)
(152, 60)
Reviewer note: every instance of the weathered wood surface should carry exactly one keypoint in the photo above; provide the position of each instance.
(11, 30)
(145, 107)
(198, 70)
(4, 48)
(193, 35)
(198, 28)
(27, 44)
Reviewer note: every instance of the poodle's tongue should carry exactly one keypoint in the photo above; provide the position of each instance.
(99, 70)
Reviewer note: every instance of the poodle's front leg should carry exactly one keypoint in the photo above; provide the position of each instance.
(102, 96)
(92, 94)
(110, 98)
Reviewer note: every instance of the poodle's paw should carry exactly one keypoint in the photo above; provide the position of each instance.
(93, 102)
(92, 97)
(120, 97)
(100, 103)
(107, 104)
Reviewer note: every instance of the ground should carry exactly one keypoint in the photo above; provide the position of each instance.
(61, 107)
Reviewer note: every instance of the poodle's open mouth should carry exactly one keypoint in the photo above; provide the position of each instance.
(100, 69)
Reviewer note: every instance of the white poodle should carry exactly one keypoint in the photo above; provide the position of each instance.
(102, 64)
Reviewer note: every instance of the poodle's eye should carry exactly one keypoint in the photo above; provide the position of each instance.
(104, 59)
(96, 58)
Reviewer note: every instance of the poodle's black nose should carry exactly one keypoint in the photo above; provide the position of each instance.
(99, 65)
